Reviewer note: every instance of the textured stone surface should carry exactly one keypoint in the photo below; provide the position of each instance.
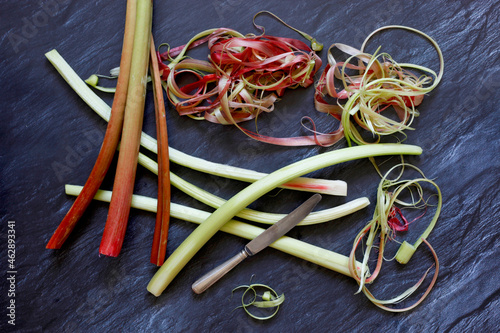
(74, 290)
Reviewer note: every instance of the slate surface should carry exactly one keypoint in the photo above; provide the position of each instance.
(44, 123)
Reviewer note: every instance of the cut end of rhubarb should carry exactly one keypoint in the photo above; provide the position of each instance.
(322, 186)
(109, 252)
(111, 246)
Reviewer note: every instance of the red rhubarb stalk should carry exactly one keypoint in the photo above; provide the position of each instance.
(159, 248)
(111, 138)
(119, 208)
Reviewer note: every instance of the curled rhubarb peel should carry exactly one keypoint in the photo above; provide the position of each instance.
(372, 84)
(387, 220)
(244, 77)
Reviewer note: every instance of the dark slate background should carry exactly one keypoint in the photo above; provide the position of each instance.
(74, 290)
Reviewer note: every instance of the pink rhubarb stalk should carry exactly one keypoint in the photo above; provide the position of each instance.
(119, 208)
(110, 141)
(159, 248)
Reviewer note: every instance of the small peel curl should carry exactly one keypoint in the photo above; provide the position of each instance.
(270, 299)
(93, 81)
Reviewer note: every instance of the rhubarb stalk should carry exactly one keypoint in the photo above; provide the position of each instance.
(315, 254)
(214, 201)
(119, 209)
(322, 186)
(111, 138)
(195, 241)
(159, 247)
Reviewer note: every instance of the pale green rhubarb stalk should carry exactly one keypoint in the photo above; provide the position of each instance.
(314, 254)
(323, 186)
(119, 208)
(111, 137)
(214, 201)
(200, 236)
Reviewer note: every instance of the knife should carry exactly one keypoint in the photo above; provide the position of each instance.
(257, 244)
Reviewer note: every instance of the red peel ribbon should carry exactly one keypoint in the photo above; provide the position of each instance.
(244, 77)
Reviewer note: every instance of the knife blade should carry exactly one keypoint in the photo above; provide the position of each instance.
(259, 243)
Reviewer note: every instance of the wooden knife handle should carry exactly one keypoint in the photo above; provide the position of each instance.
(215, 274)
